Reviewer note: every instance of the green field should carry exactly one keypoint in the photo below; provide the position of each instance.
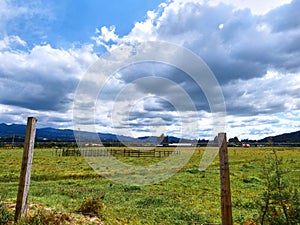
(188, 197)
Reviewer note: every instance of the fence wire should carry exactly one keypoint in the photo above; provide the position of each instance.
(117, 192)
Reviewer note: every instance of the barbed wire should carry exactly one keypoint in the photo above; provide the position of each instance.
(117, 192)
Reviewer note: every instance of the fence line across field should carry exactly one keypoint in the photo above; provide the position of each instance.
(226, 215)
(115, 152)
(223, 193)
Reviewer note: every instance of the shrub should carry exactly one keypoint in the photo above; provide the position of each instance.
(280, 203)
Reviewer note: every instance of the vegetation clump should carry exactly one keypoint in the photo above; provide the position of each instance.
(6, 215)
(280, 203)
(92, 206)
(43, 216)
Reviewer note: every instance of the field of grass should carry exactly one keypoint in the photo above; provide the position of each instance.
(188, 197)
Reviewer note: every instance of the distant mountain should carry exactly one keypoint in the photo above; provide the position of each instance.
(14, 129)
(171, 139)
(55, 134)
(17, 130)
(49, 133)
(293, 137)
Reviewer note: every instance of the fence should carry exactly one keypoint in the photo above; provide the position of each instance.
(115, 152)
(189, 197)
(197, 203)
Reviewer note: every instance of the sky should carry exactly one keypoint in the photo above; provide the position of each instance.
(251, 47)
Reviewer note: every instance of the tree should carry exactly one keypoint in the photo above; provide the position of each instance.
(234, 140)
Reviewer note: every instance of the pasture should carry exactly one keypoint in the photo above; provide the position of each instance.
(62, 183)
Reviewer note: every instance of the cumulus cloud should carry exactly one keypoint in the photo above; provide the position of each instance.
(254, 53)
(271, 94)
(43, 78)
(243, 48)
(13, 114)
(260, 126)
(106, 36)
(284, 18)
(257, 7)
(265, 106)
(252, 48)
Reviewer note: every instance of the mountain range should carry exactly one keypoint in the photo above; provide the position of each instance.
(18, 130)
(293, 137)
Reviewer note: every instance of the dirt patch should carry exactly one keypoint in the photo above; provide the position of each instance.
(37, 214)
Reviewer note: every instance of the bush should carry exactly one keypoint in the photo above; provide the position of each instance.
(280, 203)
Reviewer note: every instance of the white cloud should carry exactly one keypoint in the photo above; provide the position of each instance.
(253, 52)
(11, 10)
(255, 59)
(270, 94)
(256, 6)
(264, 106)
(246, 45)
(19, 115)
(106, 35)
(8, 41)
(43, 78)
(261, 126)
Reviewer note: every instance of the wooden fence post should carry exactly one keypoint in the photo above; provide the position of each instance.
(225, 181)
(21, 204)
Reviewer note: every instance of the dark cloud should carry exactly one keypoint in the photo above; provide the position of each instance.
(38, 95)
(239, 47)
(243, 47)
(42, 79)
(164, 81)
(251, 56)
(256, 96)
(284, 18)
(148, 118)
(158, 105)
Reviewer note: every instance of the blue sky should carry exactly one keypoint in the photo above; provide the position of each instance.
(252, 48)
(62, 23)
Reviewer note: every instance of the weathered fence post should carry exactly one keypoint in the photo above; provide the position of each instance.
(21, 204)
(225, 181)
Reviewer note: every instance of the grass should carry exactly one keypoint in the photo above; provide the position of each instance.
(68, 184)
